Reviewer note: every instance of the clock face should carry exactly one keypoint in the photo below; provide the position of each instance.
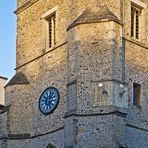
(49, 100)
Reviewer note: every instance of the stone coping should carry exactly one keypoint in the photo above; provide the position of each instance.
(1, 77)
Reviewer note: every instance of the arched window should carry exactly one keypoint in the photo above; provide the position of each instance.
(50, 146)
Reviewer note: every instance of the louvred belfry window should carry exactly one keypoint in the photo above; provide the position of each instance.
(51, 31)
(135, 22)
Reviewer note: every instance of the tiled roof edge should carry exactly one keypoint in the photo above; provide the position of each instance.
(85, 18)
(18, 78)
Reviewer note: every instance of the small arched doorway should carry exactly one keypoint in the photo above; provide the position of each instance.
(50, 146)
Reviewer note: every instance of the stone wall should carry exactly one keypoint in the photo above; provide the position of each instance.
(136, 138)
(93, 57)
(30, 26)
(137, 71)
(40, 141)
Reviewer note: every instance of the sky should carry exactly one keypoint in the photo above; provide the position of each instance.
(7, 38)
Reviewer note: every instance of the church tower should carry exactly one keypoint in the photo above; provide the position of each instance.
(81, 75)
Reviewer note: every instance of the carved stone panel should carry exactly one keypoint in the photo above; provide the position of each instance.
(109, 93)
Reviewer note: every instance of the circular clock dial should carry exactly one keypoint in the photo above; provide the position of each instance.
(49, 100)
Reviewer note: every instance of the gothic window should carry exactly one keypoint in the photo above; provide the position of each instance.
(135, 21)
(136, 94)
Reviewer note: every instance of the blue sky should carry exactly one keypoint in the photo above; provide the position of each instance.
(7, 38)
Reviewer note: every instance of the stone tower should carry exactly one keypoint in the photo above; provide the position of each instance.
(91, 55)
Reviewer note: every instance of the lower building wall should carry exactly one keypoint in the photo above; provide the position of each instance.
(55, 139)
(88, 132)
(95, 132)
(3, 144)
(92, 131)
(19, 144)
(136, 138)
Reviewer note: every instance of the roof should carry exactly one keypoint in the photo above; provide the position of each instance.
(97, 14)
(18, 78)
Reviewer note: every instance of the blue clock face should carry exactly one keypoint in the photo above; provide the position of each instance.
(49, 100)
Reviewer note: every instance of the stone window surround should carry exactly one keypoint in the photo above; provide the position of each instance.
(135, 22)
(139, 3)
(45, 16)
(141, 94)
(142, 6)
(136, 97)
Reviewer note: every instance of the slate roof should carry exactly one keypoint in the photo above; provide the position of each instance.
(93, 15)
(18, 78)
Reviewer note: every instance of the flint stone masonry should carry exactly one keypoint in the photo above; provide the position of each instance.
(93, 47)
